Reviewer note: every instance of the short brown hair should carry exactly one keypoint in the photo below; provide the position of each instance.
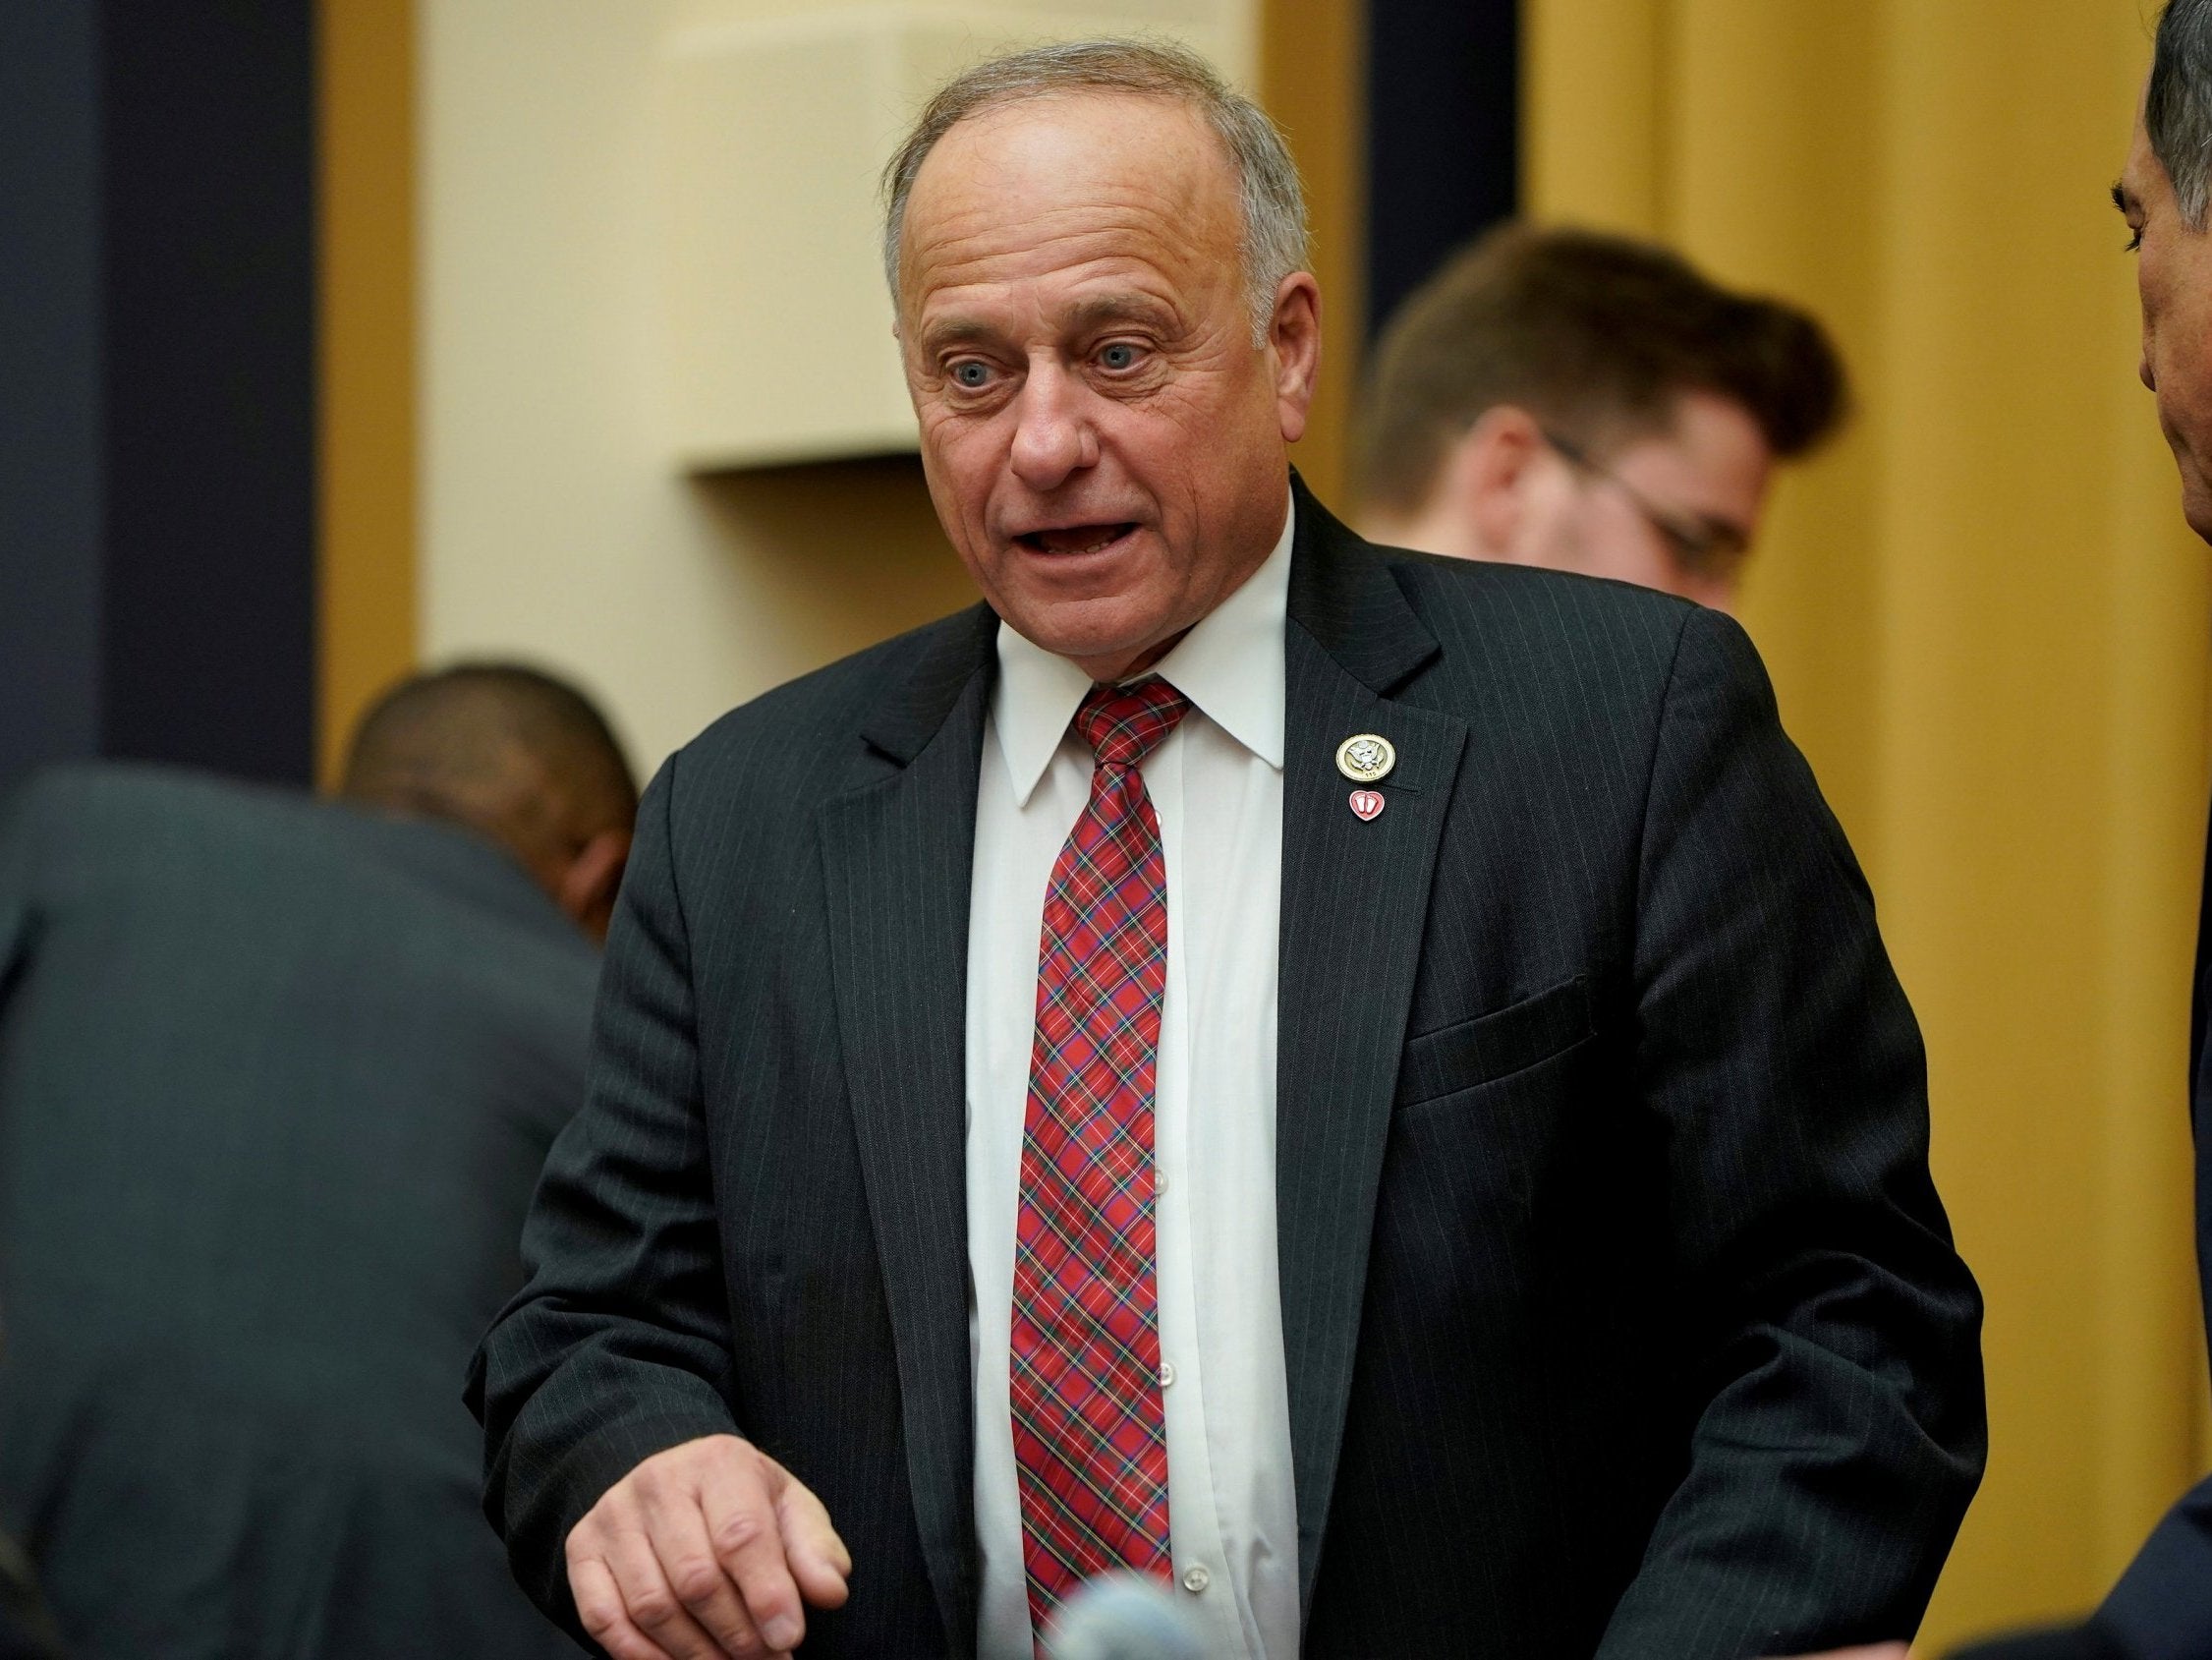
(1598, 335)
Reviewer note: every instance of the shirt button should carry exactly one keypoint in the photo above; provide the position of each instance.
(1168, 1374)
(1160, 1181)
(1196, 1578)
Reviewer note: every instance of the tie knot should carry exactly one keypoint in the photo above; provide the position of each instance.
(1123, 725)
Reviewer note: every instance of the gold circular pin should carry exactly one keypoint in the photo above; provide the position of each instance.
(1365, 758)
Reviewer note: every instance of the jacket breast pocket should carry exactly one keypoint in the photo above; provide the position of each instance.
(1493, 1045)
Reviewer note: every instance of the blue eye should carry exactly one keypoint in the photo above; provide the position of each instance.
(971, 375)
(1119, 355)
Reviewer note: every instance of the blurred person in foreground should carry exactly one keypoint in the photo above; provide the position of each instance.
(1362, 1087)
(2161, 1608)
(276, 1078)
(1589, 403)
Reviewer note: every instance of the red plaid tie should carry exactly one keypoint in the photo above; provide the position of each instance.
(1090, 1430)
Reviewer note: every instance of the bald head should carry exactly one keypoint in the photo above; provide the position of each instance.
(518, 757)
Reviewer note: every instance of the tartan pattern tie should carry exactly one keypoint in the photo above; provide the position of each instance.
(1090, 1428)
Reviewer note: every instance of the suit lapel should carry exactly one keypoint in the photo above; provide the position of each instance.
(897, 853)
(1355, 896)
(897, 850)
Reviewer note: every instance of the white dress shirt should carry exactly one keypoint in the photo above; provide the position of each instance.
(1216, 784)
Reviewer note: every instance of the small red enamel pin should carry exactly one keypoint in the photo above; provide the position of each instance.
(1367, 803)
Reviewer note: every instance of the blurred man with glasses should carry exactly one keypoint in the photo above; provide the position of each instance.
(1592, 404)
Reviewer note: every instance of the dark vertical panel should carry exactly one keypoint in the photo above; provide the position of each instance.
(1443, 98)
(208, 123)
(49, 383)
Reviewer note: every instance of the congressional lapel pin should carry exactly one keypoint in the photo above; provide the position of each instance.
(1367, 803)
(1366, 757)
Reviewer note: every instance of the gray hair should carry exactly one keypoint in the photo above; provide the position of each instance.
(1273, 202)
(2177, 105)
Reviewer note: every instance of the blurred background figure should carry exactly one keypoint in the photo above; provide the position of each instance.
(276, 1078)
(1589, 403)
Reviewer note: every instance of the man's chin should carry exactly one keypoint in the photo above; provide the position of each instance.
(2197, 505)
(1089, 633)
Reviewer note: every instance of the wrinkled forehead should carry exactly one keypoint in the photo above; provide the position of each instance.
(1026, 189)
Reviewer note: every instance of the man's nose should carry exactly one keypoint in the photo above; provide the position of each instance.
(1053, 435)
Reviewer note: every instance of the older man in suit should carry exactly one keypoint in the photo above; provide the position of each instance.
(276, 1079)
(1364, 1087)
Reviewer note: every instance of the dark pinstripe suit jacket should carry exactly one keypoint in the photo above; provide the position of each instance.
(1618, 1310)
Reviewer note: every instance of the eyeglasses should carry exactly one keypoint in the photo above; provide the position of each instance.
(1707, 547)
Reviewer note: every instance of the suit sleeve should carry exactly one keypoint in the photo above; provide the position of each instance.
(2161, 1609)
(618, 1345)
(1830, 1332)
(19, 819)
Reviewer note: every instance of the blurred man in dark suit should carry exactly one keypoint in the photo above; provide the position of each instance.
(276, 1079)
(1589, 403)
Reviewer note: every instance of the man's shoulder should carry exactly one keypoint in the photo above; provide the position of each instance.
(1534, 629)
(1529, 598)
(124, 801)
(807, 727)
(260, 851)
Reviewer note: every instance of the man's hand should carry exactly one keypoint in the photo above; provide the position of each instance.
(703, 1551)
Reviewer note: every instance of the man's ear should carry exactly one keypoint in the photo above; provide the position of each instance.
(588, 885)
(1487, 474)
(1294, 335)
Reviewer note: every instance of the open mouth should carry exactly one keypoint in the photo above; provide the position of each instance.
(1075, 538)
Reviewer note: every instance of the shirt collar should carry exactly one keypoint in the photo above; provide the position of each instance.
(1229, 666)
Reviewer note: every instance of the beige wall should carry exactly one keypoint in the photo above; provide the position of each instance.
(555, 521)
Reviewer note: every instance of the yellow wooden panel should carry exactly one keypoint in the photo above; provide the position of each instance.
(1592, 88)
(365, 444)
(1313, 80)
